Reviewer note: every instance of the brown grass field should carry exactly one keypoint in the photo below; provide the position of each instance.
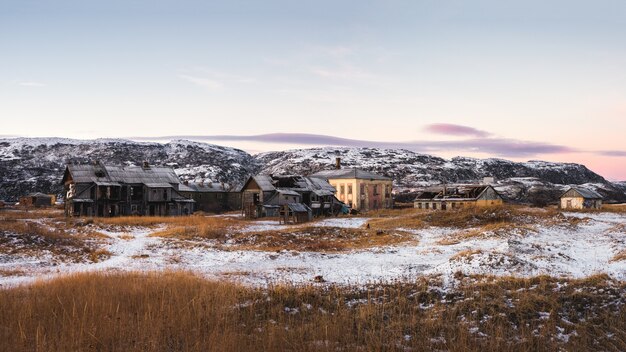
(181, 312)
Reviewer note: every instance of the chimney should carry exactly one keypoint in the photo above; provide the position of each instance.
(96, 162)
(146, 165)
(338, 163)
(186, 182)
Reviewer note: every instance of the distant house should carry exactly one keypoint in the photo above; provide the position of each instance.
(581, 198)
(211, 197)
(361, 190)
(38, 200)
(103, 190)
(264, 195)
(457, 196)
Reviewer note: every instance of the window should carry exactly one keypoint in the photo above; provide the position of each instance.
(427, 205)
(342, 189)
(362, 190)
(419, 205)
(434, 205)
(569, 203)
(349, 189)
(453, 205)
(375, 190)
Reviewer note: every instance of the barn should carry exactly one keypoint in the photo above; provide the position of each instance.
(581, 198)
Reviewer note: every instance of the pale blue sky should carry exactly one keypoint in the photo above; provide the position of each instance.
(546, 72)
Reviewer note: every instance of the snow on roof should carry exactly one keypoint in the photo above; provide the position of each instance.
(585, 193)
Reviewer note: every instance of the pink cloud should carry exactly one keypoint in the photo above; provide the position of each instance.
(455, 130)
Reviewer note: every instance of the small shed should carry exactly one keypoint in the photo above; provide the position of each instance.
(38, 200)
(581, 198)
(295, 213)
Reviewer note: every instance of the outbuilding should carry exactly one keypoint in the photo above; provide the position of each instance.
(581, 198)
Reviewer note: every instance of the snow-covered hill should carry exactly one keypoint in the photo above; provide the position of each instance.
(37, 164)
(533, 181)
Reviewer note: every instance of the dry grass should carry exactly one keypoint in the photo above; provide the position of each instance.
(621, 255)
(613, 208)
(500, 229)
(457, 218)
(318, 239)
(30, 238)
(180, 312)
(466, 254)
(11, 272)
(36, 213)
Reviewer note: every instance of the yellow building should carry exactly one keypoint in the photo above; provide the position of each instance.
(361, 190)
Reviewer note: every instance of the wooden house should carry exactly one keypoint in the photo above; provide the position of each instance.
(38, 200)
(102, 190)
(295, 213)
(581, 198)
(211, 197)
(457, 196)
(359, 189)
(264, 195)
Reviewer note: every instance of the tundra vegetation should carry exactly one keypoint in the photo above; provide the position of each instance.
(181, 311)
(177, 311)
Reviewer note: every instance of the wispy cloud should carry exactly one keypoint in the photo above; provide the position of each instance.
(203, 82)
(490, 146)
(345, 72)
(211, 79)
(31, 84)
(617, 153)
(455, 130)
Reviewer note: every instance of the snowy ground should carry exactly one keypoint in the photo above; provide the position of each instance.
(570, 251)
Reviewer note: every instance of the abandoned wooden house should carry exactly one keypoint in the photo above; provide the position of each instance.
(581, 198)
(263, 195)
(101, 190)
(295, 213)
(38, 200)
(457, 196)
(359, 189)
(211, 197)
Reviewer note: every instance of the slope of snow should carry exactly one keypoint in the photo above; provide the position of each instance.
(560, 250)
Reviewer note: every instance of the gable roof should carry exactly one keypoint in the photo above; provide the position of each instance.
(584, 192)
(99, 173)
(349, 173)
(458, 192)
(271, 183)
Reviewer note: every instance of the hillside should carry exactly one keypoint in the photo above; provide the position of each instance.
(534, 181)
(36, 164)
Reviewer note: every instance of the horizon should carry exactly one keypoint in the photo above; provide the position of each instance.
(524, 81)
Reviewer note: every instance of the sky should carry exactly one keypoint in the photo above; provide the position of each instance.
(521, 80)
